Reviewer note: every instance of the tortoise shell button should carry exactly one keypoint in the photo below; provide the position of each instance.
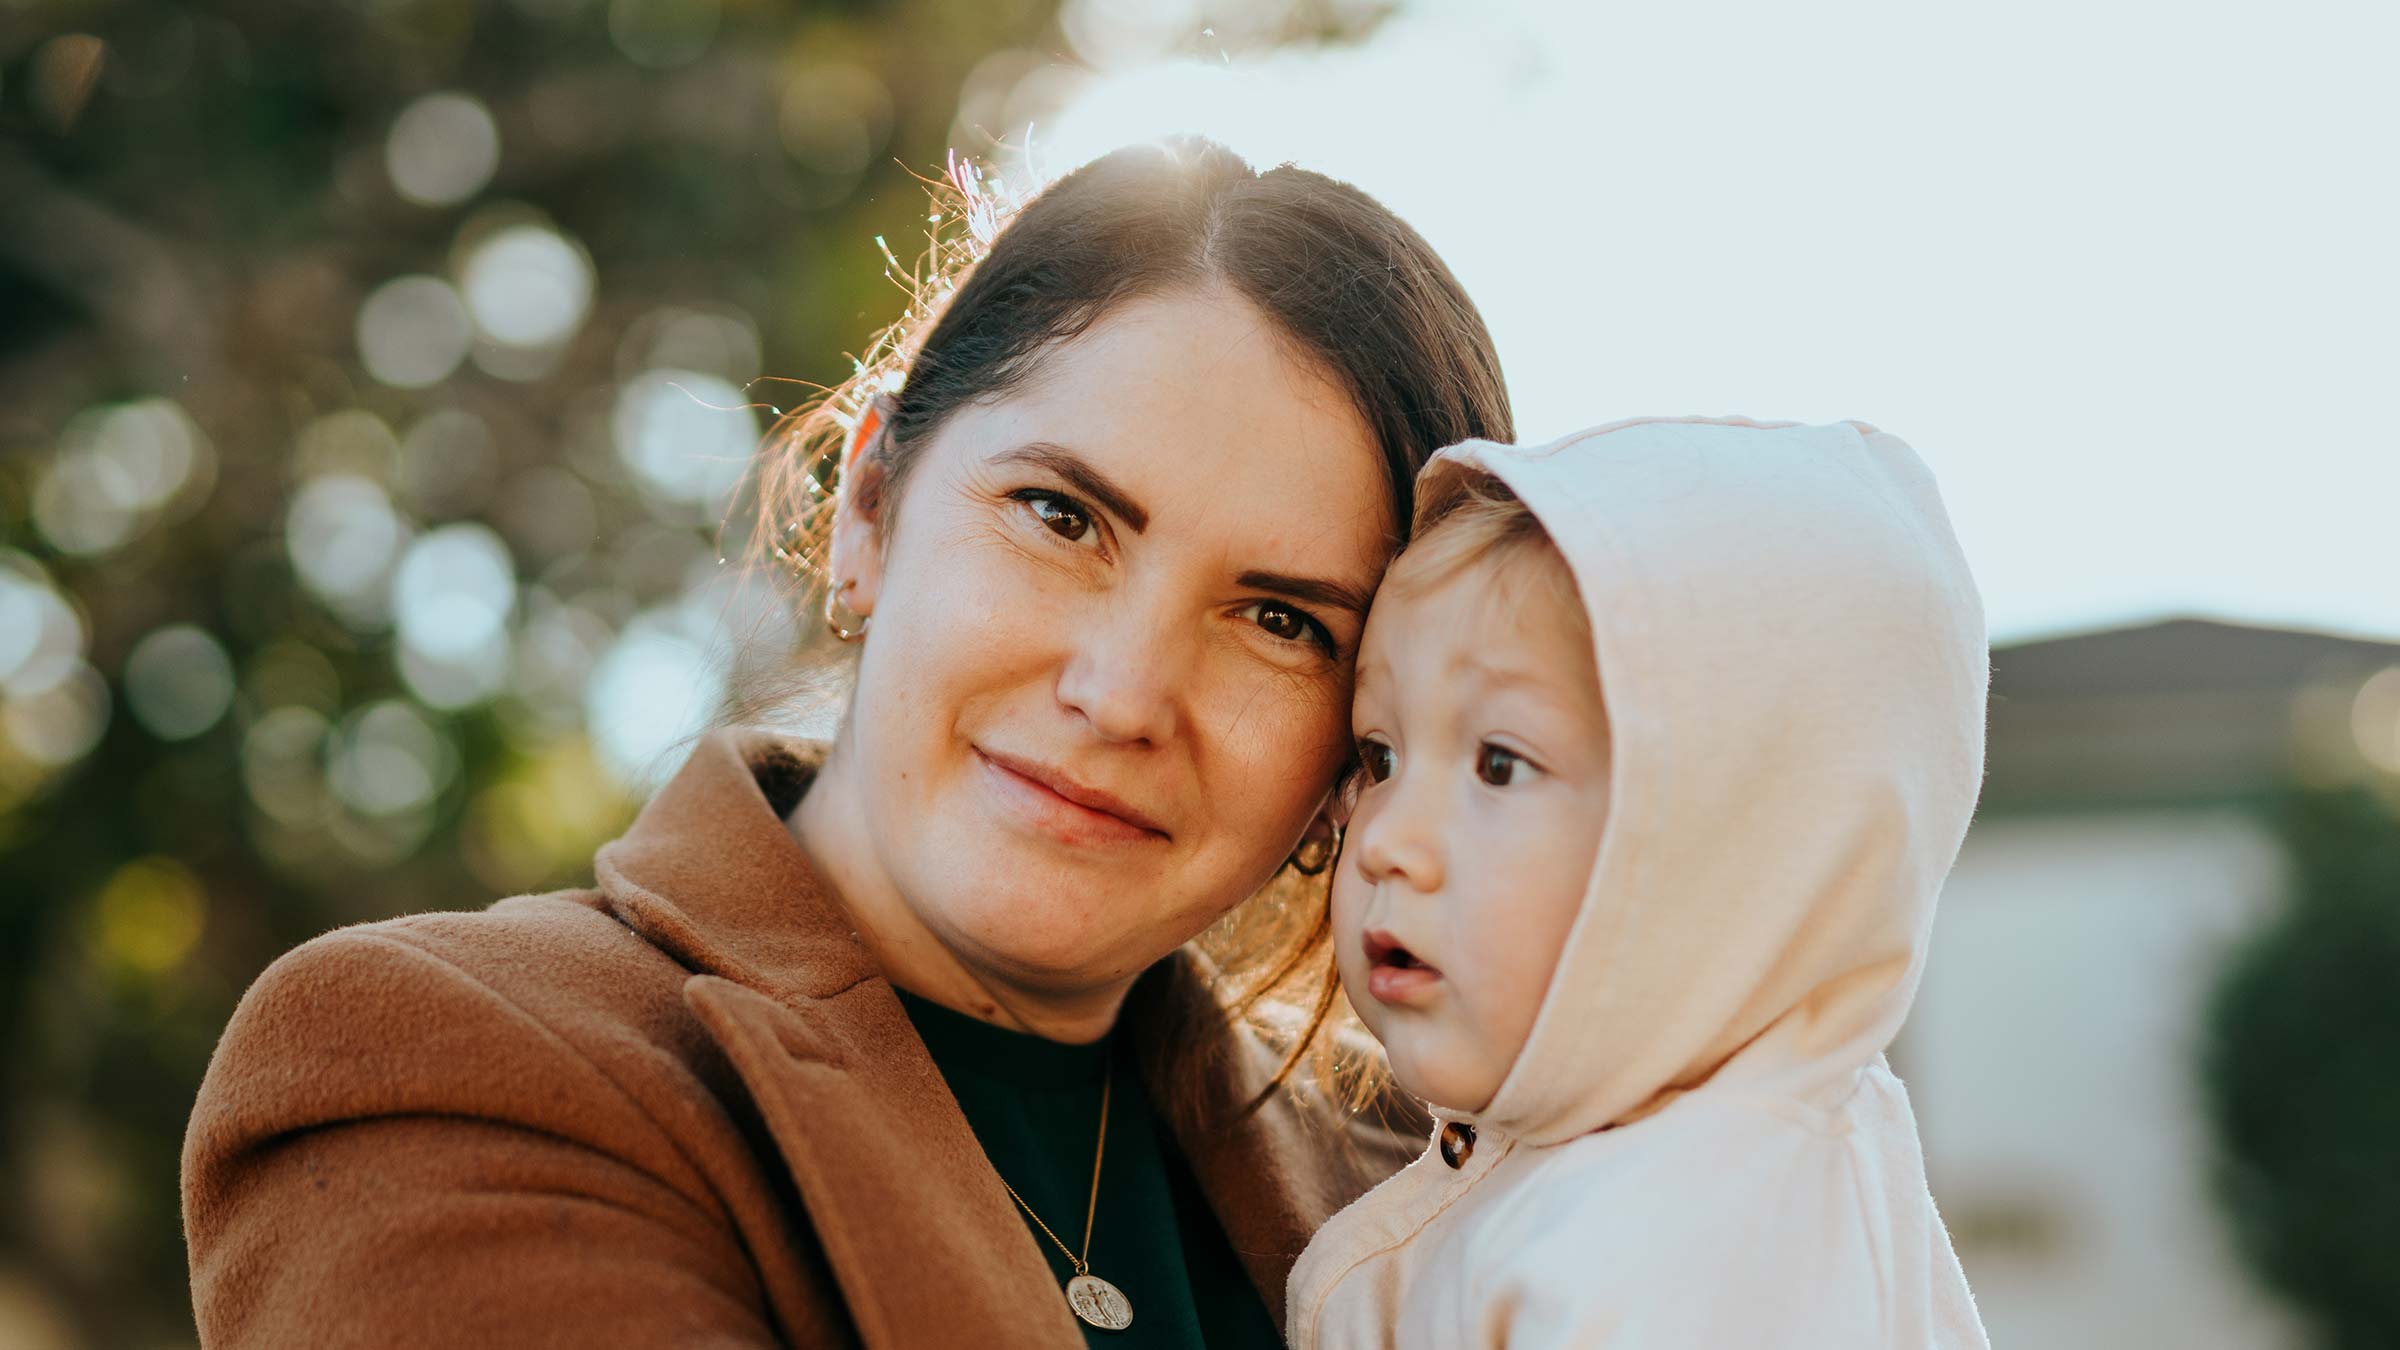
(1458, 1143)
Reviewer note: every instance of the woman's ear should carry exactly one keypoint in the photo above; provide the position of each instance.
(854, 556)
(1320, 842)
(1343, 799)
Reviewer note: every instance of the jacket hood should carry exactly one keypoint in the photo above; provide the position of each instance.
(1794, 662)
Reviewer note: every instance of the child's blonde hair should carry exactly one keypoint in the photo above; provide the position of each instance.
(1466, 517)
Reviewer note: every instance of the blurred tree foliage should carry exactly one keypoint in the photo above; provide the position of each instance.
(2301, 1036)
(194, 201)
(210, 751)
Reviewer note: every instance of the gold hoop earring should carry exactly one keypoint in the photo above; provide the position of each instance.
(835, 609)
(1315, 854)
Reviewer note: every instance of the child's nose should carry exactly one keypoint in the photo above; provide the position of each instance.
(1398, 836)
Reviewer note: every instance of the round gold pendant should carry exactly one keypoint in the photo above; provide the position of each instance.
(1100, 1303)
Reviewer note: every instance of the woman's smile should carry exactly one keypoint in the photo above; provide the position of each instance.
(1060, 808)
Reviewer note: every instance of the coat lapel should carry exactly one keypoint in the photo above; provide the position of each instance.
(912, 1218)
(1272, 1175)
(915, 1224)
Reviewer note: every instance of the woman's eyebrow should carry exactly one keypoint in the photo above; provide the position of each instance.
(1316, 591)
(1091, 482)
(1087, 479)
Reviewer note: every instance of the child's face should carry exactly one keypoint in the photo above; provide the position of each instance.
(1478, 813)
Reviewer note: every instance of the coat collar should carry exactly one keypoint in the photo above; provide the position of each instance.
(709, 873)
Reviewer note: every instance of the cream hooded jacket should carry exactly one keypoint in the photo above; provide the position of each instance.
(1700, 1143)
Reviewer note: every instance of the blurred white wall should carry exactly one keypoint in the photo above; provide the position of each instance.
(2051, 1059)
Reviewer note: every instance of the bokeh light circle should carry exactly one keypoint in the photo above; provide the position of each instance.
(688, 435)
(527, 286)
(178, 682)
(387, 759)
(454, 591)
(42, 637)
(663, 33)
(656, 687)
(343, 535)
(283, 764)
(413, 331)
(442, 149)
(62, 723)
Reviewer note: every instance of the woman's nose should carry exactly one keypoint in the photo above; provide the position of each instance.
(1396, 833)
(1124, 677)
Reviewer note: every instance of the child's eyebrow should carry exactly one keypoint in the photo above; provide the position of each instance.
(1493, 675)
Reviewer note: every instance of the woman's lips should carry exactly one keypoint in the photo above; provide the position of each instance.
(1394, 974)
(1061, 808)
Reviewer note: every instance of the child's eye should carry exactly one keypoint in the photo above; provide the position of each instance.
(1060, 514)
(1497, 766)
(1376, 758)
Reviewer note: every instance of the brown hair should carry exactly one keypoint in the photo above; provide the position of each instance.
(1351, 286)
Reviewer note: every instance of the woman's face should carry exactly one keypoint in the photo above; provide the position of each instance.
(1114, 618)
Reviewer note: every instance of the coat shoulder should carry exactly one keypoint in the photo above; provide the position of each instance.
(562, 957)
(541, 1009)
(524, 1076)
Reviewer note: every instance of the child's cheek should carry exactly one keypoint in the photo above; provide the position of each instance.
(1346, 904)
(1505, 967)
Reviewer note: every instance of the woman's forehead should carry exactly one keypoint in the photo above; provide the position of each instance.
(1199, 415)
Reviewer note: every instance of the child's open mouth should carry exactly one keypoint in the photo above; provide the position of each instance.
(1394, 974)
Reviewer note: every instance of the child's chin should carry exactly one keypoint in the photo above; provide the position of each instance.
(1440, 1079)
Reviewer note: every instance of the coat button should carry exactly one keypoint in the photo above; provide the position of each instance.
(1458, 1143)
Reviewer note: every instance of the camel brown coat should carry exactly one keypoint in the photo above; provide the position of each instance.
(681, 1108)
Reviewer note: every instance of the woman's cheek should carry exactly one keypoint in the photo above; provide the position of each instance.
(981, 598)
(1287, 705)
(1279, 739)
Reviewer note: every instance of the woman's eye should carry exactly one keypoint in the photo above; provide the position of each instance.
(1376, 758)
(1061, 516)
(1289, 623)
(1283, 621)
(1496, 766)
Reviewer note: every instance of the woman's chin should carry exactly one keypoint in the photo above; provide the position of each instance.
(1045, 941)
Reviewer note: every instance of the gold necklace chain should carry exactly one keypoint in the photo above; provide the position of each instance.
(1092, 1207)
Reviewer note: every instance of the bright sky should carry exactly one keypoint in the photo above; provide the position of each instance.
(2126, 274)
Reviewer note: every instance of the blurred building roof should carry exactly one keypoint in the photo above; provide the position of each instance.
(2181, 710)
